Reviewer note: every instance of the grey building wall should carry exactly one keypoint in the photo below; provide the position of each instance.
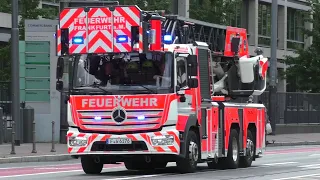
(251, 7)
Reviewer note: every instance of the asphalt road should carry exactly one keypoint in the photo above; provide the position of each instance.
(278, 163)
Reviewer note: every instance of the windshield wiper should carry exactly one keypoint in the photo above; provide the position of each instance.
(148, 89)
(96, 85)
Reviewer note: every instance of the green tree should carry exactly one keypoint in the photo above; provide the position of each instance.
(213, 11)
(28, 9)
(5, 6)
(304, 69)
(149, 5)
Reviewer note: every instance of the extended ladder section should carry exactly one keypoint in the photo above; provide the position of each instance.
(218, 37)
(234, 73)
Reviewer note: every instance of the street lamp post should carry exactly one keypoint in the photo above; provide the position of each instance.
(273, 66)
(15, 90)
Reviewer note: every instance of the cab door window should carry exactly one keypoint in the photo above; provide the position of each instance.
(181, 72)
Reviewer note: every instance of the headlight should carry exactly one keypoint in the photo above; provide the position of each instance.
(166, 140)
(78, 141)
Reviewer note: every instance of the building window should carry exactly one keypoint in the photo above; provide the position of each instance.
(295, 26)
(264, 24)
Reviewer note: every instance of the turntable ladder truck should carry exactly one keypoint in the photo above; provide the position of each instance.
(190, 124)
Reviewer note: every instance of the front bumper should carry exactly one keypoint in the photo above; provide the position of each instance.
(142, 143)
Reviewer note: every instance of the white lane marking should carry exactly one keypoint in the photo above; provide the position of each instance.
(311, 155)
(51, 165)
(294, 177)
(310, 165)
(45, 173)
(281, 163)
(136, 177)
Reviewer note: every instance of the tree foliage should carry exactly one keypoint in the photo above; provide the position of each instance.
(28, 9)
(303, 71)
(213, 11)
(149, 5)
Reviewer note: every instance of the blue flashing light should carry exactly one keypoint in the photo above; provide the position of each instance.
(77, 40)
(167, 39)
(141, 117)
(122, 39)
(97, 118)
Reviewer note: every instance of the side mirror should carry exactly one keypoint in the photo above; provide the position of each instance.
(235, 44)
(59, 86)
(193, 83)
(60, 67)
(192, 65)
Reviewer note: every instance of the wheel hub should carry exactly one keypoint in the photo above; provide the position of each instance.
(234, 149)
(193, 152)
(250, 148)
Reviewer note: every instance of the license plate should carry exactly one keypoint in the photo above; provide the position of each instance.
(119, 141)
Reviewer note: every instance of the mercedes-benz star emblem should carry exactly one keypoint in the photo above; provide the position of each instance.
(119, 115)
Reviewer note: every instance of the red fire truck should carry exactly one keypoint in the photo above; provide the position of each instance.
(146, 89)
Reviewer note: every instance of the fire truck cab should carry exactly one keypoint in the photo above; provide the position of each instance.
(143, 91)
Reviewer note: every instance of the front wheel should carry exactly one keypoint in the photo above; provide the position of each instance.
(90, 166)
(188, 164)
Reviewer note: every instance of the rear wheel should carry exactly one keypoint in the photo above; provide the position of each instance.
(90, 166)
(246, 161)
(189, 163)
(232, 160)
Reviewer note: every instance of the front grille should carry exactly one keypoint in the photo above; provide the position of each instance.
(152, 120)
(135, 146)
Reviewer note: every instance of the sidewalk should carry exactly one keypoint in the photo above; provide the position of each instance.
(23, 153)
(293, 139)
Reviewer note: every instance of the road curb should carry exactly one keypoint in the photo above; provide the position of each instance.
(302, 143)
(44, 158)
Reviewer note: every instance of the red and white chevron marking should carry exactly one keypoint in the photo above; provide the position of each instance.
(58, 37)
(145, 137)
(140, 38)
(100, 41)
(102, 33)
(132, 18)
(67, 20)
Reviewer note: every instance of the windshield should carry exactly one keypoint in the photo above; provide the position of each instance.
(125, 72)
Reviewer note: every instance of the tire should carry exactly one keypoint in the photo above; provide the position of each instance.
(246, 161)
(232, 160)
(89, 166)
(189, 163)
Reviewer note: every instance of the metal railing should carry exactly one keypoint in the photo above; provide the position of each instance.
(294, 107)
